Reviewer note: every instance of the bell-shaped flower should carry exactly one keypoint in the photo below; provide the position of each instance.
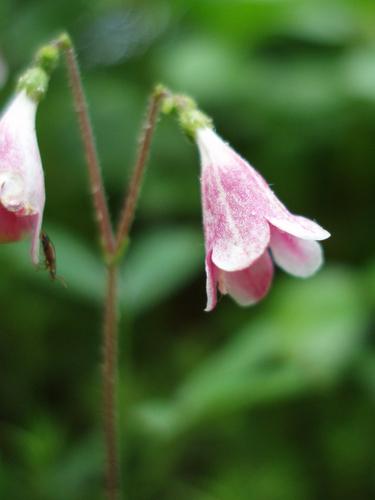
(245, 223)
(22, 193)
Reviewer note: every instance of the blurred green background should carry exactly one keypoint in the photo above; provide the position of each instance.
(274, 402)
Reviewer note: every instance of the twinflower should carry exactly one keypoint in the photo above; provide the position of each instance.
(22, 192)
(246, 227)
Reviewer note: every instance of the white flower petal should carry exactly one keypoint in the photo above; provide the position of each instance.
(296, 256)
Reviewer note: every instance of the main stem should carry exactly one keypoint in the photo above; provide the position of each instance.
(110, 370)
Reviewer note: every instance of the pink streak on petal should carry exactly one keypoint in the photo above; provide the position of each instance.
(252, 284)
(296, 256)
(278, 215)
(211, 274)
(246, 194)
(234, 226)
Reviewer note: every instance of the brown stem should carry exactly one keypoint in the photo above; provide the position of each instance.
(130, 202)
(110, 341)
(87, 135)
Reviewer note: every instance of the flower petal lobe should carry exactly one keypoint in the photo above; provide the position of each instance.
(296, 256)
(249, 285)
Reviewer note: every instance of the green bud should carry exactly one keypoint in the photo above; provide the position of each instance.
(161, 91)
(47, 58)
(190, 117)
(168, 105)
(35, 83)
(64, 41)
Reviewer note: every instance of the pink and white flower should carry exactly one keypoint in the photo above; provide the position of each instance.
(244, 222)
(22, 193)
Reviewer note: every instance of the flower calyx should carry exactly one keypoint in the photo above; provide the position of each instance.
(190, 117)
(34, 81)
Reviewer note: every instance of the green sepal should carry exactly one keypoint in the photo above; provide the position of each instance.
(47, 58)
(193, 119)
(189, 115)
(34, 82)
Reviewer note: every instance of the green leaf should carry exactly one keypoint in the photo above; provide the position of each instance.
(159, 263)
(77, 265)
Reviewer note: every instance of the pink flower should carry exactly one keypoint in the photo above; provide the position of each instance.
(22, 193)
(243, 222)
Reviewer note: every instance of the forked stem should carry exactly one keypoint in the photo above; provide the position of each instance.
(112, 250)
(110, 326)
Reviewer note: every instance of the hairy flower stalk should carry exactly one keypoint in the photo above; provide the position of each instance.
(130, 201)
(244, 222)
(95, 177)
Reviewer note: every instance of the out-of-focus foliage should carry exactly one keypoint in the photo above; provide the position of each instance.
(274, 402)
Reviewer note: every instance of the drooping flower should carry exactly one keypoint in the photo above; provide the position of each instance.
(22, 193)
(245, 223)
